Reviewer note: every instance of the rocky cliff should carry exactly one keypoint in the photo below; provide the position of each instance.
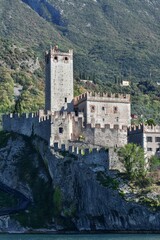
(67, 192)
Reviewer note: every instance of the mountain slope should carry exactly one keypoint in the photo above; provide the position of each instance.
(21, 24)
(120, 38)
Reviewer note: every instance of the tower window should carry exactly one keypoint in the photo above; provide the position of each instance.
(60, 130)
(115, 109)
(149, 139)
(92, 108)
(56, 58)
(103, 108)
(157, 139)
(65, 99)
(66, 59)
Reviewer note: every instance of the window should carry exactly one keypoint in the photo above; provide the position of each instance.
(157, 139)
(115, 109)
(92, 108)
(149, 149)
(66, 59)
(56, 59)
(60, 130)
(149, 139)
(103, 108)
(65, 99)
(117, 119)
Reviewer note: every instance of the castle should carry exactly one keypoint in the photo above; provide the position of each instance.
(98, 119)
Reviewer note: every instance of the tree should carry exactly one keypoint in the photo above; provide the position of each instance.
(154, 163)
(133, 158)
(150, 122)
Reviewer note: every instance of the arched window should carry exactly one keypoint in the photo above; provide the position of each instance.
(55, 58)
(66, 59)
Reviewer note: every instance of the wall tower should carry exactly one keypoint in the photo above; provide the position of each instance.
(59, 80)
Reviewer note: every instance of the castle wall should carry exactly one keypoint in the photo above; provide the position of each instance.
(77, 126)
(94, 156)
(106, 137)
(27, 124)
(135, 135)
(59, 81)
(61, 128)
(114, 162)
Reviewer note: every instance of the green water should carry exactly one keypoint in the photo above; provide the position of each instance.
(80, 237)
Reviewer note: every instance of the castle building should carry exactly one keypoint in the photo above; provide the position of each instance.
(148, 137)
(104, 108)
(99, 119)
(93, 119)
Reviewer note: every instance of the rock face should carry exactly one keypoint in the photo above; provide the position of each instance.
(95, 207)
(75, 196)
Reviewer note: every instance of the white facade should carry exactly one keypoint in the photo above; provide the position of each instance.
(112, 109)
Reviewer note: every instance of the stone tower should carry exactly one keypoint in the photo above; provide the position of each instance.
(59, 80)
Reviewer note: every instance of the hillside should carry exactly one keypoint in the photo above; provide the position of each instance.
(112, 41)
(117, 38)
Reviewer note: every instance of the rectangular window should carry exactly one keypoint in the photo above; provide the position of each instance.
(92, 108)
(115, 109)
(149, 139)
(149, 149)
(103, 108)
(65, 99)
(60, 130)
(157, 139)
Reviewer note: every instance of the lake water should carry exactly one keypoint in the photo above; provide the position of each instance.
(80, 237)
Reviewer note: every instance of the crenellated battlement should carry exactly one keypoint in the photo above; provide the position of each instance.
(54, 51)
(20, 116)
(136, 129)
(76, 150)
(107, 126)
(143, 128)
(102, 97)
(150, 129)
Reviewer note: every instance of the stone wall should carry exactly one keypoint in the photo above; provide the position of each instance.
(28, 124)
(59, 80)
(135, 135)
(91, 155)
(107, 136)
